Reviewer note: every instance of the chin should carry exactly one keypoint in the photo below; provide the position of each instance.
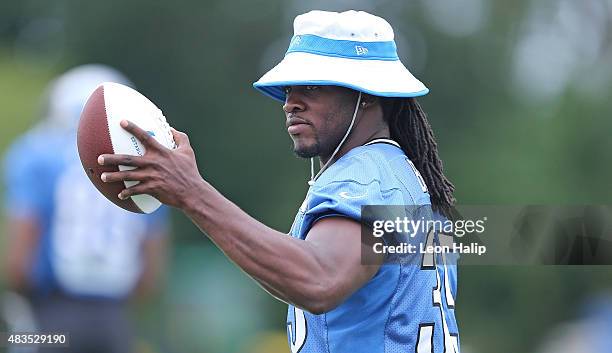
(305, 151)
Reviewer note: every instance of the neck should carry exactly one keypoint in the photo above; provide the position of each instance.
(356, 139)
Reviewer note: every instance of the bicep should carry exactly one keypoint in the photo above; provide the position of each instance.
(337, 245)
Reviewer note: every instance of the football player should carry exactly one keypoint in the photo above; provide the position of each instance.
(348, 100)
(70, 251)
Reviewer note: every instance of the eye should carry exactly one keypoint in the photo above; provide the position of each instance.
(311, 88)
(286, 89)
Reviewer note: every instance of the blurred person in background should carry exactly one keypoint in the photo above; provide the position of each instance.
(588, 333)
(76, 257)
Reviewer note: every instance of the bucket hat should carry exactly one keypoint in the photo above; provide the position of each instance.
(352, 49)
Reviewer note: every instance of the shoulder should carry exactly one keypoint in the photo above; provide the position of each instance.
(36, 143)
(23, 151)
(37, 154)
(361, 177)
(380, 170)
(364, 165)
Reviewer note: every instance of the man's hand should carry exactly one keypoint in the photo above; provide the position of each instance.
(168, 175)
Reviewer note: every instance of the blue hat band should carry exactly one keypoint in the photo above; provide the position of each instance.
(310, 43)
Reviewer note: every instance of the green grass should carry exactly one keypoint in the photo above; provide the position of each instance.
(22, 83)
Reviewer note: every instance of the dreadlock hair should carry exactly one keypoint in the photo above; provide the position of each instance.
(408, 126)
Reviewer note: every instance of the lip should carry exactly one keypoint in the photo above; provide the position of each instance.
(295, 121)
(296, 125)
(296, 129)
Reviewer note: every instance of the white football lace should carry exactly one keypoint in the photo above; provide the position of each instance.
(166, 127)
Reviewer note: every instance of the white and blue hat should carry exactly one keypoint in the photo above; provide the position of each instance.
(352, 49)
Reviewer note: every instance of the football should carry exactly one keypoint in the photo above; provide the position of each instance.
(99, 133)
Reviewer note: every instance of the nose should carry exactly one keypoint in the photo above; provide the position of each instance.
(293, 102)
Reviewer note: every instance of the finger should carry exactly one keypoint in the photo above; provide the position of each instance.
(121, 159)
(144, 137)
(127, 175)
(180, 138)
(138, 189)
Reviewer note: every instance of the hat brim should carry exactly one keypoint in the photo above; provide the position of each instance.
(384, 78)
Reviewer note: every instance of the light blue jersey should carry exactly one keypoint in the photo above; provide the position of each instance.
(404, 308)
(88, 247)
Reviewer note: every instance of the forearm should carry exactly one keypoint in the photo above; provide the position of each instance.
(23, 235)
(154, 257)
(286, 267)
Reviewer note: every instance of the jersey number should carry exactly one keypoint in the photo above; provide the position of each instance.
(296, 330)
(425, 342)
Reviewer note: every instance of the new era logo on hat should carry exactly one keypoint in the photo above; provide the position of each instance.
(361, 50)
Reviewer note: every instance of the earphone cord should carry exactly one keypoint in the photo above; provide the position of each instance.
(314, 177)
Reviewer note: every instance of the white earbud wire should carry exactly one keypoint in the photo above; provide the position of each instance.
(314, 177)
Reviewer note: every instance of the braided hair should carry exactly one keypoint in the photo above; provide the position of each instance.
(408, 126)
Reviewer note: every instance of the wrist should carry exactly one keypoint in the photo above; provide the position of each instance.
(192, 201)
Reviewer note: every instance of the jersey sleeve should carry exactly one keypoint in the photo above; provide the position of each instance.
(345, 199)
(23, 183)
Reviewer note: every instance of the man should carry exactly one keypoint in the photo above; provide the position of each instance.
(337, 82)
(76, 256)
